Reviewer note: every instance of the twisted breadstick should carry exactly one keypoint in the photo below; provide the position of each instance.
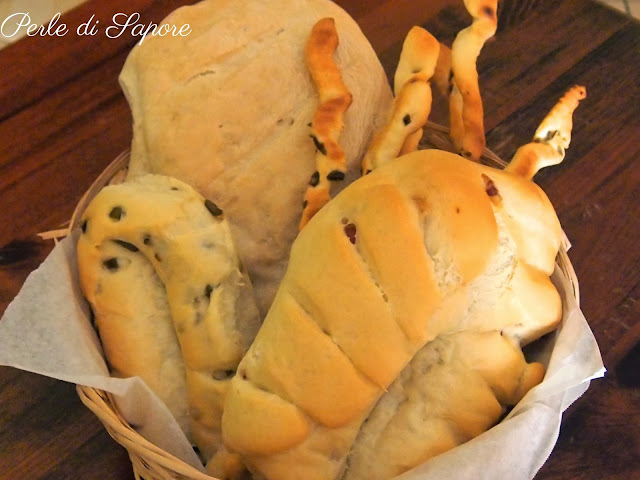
(465, 103)
(442, 73)
(327, 122)
(412, 105)
(551, 138)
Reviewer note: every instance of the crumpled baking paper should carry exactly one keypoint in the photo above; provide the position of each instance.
(46, 330)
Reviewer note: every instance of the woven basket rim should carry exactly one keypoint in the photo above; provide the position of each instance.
(149, 461)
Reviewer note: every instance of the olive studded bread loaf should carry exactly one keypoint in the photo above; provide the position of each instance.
(188, 242)
(227, 109)
(133, 318)
(427, 245)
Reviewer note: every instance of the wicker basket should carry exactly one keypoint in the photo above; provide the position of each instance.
(152, 463)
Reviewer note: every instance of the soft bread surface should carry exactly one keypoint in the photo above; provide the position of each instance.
(227, 108)
(455, 388)
(133, 318)
(427, 245)
(188, 242)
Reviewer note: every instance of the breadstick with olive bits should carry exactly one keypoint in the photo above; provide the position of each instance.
(327, 122)
(551, 138)
(465, 102)
(188, 242)
(412, 104)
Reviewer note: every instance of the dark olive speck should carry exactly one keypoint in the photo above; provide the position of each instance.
(83, 227)
(319, 145)
(550, 134)
(406, 119)
(350, 230)
(315, 178)
(335, 175)
(111, 264)
(116, 213)
(213, 208)
(208, 290)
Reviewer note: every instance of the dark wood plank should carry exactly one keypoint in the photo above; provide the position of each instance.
(599, 179)
(30, 443)
(565, 50)
(594, 445)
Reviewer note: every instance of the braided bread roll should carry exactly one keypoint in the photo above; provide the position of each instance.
(427, 245)
(187, 241)
(227, 107)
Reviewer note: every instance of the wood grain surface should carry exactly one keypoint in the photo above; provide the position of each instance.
(63, 118)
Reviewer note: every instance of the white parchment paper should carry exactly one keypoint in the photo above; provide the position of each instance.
(46, 330)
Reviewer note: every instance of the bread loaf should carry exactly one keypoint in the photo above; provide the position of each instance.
(455, 388)
(226, 109)
(427, 245)
(188, 242)
(132, 315)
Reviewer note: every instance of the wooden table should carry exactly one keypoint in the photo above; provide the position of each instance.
(63, 119)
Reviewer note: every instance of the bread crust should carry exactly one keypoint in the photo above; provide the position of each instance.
(455, 388)
(133, 319)
(188, 242)
(429, 221)
(226, 109)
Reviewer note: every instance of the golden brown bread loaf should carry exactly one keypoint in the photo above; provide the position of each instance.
(427, 245)
(188, 243)
(226, 109)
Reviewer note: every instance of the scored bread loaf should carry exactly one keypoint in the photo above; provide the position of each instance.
(429, 244)
(227, 107)
(188, 242)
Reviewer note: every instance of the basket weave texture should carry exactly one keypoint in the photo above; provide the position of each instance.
(149, 461)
